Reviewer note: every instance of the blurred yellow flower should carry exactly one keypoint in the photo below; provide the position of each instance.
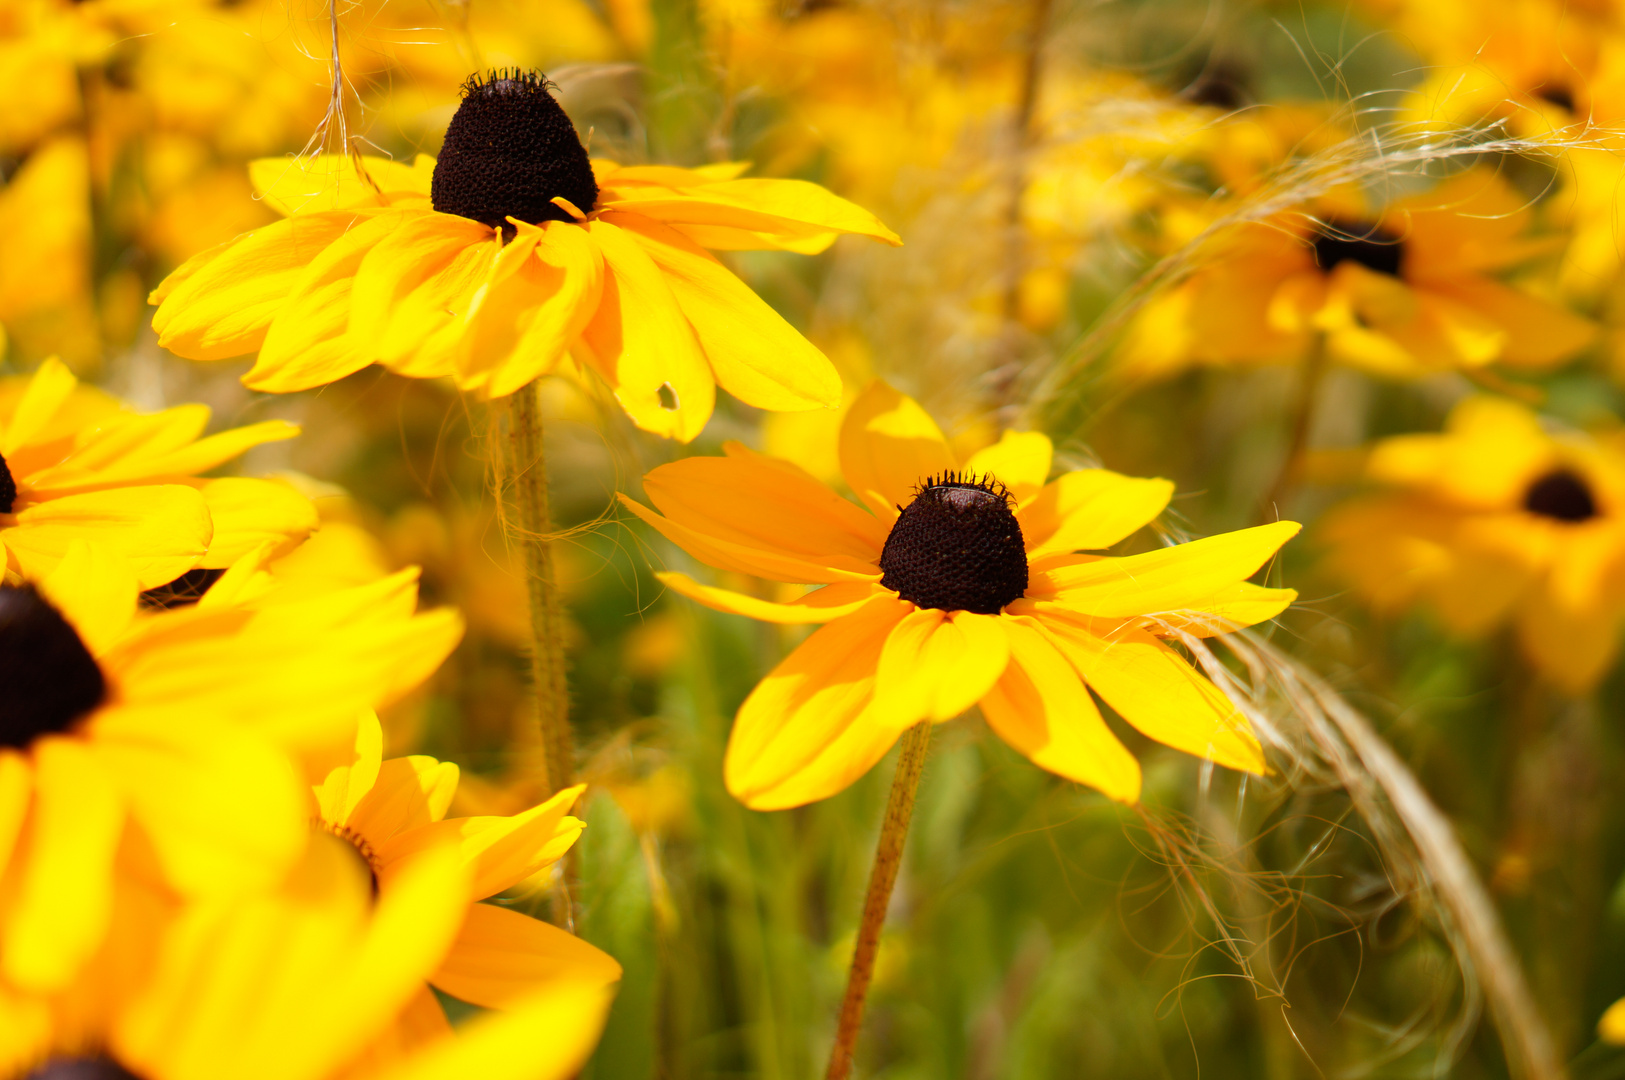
(179, 722)
(1402, 293)
(392, 811)
(45, 286)
(76, 464)
(300, 982)
(1496, 521)
(489, 266)
(957, 585)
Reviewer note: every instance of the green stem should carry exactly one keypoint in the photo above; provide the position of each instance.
(883, 876)
(527, 472)
(1303, 416)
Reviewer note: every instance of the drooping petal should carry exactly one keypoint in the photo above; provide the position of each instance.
(64, 896)
(751, 559)
(162, 530)
(758, 205)
(1157, 691)
(820, 605)
(936, 664)
(500, 957)
(756, 356)
(1089, 509)
(248, 513)
(805, 733)
(889, 445)
(1041, 707)
(641, 343)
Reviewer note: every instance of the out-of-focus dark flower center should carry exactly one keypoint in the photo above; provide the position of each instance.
(81, 1069)
(184, 591)
(1351, 241)
(1561, 494)
(8, 488)
(48, 679)
(957, 546)
(509, 151)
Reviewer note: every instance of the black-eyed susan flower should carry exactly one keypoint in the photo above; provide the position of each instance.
(1403, 292)
(172, 733)
(302, 981)
(957, 584)
(392, 811)
(1496, 521)
(511, 250)
(77, 465)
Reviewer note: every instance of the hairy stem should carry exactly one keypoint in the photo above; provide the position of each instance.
(883, 876)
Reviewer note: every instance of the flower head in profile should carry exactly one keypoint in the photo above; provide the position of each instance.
(954, 584)
(1496, 521)
(167, 740)
(512, 250)
(392, 811)
(75, 464)
(1402, 293)
(305, 980)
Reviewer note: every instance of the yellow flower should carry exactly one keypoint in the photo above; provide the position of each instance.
(957, 585)
(1403, 293)
(488, 266)
(77, 465)
(392, 811)
(45, 287)
(178, 724)
(1496, 521)
(301, 982)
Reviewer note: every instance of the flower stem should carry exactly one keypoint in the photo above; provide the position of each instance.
(1303, 417)
(888, 858)
(527, 472)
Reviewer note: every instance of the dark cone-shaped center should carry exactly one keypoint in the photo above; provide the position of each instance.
(81, 1069)
(957, 547)
(1351, 241)
(8, 488)
(48, 679)
(1561, 494)
(184, 591)
(509, 151)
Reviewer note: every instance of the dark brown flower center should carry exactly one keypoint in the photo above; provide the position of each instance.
(184, 591)
(957, 546)
(81, 1069)
(1561, 494)
(1351, 241)
(8, 488)
(509, 151)
(48, 679)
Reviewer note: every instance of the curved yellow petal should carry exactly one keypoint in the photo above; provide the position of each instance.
(1169, 579)
(548, 1036)
(223, 307)
(755, 204)
(249, 513)
(64, 897)
(1020, 460)
(1089, 509)
(936, 664)
(48, 389)
(805, 733)
(304, 185)
(163, 530)
(889, 445)
(1157, 691)
(755, 355)
(750, 559)
(500, 957)
(500, 851)
(1041, 707)
(342, 790)
(412, 282)
(95, 589)
(16, 793)
(409, 793)
(820, 605)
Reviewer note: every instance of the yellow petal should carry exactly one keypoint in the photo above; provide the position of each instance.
(1158, 692)
(304, 185)
(820, 605)
(1020, 460)
(156, 464)
(95, 589)
(1042, 709)
(1611, 1028)
(223, 307)
(410, 793)
(48, 389)
(342, 790)
(641, 343)
(936, 664)
(64, 898)
(1089, 509)
(889, 445)
(1573, 646)
(1171, 578)
(760, 205)
(805, 733)
(756, 356)
(751, 559)
(162, 530)
(16, 792)
(408, 286)
(500, 957)
(500, 851)
(249, 513)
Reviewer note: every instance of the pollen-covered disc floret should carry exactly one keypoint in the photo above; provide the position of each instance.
(1372, 247)
(509, 151)
(1561, 494)
(957, 546)
(48, 679)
